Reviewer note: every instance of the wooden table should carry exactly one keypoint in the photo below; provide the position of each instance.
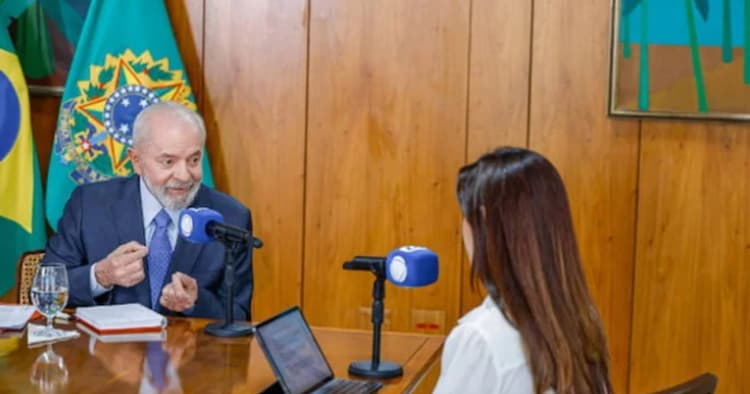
(197, 362)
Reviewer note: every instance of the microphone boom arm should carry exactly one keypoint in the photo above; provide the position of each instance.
(376, 265)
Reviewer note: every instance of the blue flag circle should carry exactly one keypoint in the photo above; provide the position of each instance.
(10, 115)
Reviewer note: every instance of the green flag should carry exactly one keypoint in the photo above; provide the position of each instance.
(21, 215)
(126, 59)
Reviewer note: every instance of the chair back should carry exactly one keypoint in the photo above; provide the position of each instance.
(702, 384)
(26, 269)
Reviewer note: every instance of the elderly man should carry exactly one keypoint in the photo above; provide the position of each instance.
(119, 240)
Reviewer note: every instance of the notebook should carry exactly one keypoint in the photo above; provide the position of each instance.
(296, 358)
(15, 317)
(147, 336)
(120, 319)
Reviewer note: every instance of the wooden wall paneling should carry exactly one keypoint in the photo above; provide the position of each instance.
(498, 89)
(386, 125)
(693, 250)
(187, 18)
(596, 155)
(255, 59)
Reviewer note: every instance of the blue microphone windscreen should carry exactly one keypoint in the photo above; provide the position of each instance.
(193, 222)
(412, 266)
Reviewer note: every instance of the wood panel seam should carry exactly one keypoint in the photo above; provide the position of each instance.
(202, 100)
(303, 256)
(531, 75)
(629, 365)
(462, 261)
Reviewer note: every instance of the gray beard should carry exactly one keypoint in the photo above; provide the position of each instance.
(175, 204)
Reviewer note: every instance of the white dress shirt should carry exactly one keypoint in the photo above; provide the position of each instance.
(484, 354)
(150, 207)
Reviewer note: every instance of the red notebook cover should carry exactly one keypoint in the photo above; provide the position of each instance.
(112, 331)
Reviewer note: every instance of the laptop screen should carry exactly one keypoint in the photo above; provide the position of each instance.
(294, 354)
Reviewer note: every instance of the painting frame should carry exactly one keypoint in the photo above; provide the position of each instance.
(45, 90)
(45, 37)
(615, 107)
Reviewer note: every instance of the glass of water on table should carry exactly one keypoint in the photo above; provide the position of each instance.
(49, 293)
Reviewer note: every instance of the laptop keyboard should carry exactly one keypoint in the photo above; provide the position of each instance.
(345, 386)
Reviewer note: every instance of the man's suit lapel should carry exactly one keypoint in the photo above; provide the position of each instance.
(127, 217)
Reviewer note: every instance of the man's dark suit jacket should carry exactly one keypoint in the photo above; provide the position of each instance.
(101, 216)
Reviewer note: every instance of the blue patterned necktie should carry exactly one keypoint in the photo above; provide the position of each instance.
(159, 253)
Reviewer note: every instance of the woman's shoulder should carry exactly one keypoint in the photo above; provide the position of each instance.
(486, 325)
(488, 320)
(484, 353)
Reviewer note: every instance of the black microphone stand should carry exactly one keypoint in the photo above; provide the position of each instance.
(375, 368)
(229, 327)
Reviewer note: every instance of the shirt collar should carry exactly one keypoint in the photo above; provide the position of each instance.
(487, 305)
(151, 206)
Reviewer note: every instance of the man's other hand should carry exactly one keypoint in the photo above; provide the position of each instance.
(122, 267)
(180, 294)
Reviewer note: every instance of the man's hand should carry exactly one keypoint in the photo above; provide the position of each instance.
(122, 267)
(180, 294)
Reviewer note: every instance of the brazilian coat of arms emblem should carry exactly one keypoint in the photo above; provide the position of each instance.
(95, 129)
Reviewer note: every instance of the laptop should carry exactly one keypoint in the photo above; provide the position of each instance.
(296, 358)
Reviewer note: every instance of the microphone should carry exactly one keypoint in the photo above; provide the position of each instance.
(202, 225)
(407, 266)
(412, 266)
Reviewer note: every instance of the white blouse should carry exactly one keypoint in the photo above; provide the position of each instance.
(484, 354)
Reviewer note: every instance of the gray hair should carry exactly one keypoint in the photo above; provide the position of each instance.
(141, 128)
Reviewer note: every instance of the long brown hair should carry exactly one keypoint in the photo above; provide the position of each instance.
(526, 256)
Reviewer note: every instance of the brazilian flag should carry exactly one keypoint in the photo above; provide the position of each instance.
(126, 59)
(21, 216)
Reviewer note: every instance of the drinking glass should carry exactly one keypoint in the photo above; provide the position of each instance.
(49, 293)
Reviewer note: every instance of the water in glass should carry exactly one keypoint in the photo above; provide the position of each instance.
(49, 292)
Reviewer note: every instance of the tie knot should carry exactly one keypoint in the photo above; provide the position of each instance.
(162, 219)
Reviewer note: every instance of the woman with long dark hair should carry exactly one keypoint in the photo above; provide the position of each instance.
(538, 330)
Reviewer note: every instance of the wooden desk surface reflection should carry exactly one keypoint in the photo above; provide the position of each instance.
(203, 363)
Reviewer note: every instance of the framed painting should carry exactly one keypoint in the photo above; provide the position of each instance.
(44, 37)
(680, 59)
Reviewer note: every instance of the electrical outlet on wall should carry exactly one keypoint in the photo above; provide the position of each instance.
(364, 318)
(428, 321)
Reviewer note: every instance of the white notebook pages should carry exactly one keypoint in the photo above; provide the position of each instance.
(120, 317)
(14, 317)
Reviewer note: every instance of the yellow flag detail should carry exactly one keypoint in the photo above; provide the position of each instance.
(17, 167)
